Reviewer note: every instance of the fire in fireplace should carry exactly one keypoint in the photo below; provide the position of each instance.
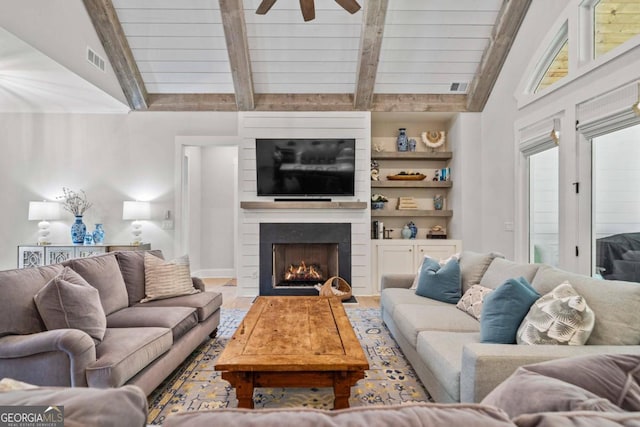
(303, 264)
(303, 272)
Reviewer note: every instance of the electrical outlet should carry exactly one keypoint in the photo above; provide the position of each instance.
(167, 224)
(508, 226)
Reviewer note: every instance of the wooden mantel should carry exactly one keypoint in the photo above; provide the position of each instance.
(303, 205)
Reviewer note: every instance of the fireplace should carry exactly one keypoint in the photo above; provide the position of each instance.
(296, 256)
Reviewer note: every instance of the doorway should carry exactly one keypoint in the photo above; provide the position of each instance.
(207, 204)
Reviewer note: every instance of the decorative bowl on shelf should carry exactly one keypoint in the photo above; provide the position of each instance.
(406, 177)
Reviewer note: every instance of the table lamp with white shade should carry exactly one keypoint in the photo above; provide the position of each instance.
(43, 211)
(136, 211)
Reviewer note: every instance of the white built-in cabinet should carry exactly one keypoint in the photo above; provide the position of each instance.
(393, 256)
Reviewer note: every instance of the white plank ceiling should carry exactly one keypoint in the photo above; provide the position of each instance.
(179, 46)
(430, 44)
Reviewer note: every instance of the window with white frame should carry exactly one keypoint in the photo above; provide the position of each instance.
(614, 22)
(554, 64)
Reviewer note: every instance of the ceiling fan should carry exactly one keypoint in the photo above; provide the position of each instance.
(308, 9)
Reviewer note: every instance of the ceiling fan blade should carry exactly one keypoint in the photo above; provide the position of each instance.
(265, 6)
(308, 10)
(350, 6)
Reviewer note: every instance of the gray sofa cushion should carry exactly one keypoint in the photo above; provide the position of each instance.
(206, 303)
(501, 269)
(391, 297)
(526, 392)
(18, 312)
(132, 268)
(414, 318)
(615, 304)
(103, 273)
(68, 302)
(410, 415)
(179, 319)
(442, 352)
(124, 352)
(473, 265)
(120, 407)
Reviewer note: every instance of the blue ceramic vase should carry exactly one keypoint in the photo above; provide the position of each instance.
(402, 141)
(98, 234)
(414, 230)
(78, 230)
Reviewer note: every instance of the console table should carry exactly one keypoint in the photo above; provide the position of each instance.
(35, 256)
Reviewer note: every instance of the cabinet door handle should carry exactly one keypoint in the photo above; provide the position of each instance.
(410, 250)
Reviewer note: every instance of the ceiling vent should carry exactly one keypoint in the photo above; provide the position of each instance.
(95, 59)
(458, 87)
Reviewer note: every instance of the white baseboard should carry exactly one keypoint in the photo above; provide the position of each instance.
(215, 272)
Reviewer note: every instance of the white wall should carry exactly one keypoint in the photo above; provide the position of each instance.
(497, 139)
(112, 157)
(467, 192)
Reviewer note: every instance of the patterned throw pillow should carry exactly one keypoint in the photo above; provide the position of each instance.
(442, 262)
(559, 317)
(166, 279)
(471, 301)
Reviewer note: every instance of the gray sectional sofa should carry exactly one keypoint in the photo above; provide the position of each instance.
(443, 343)
(141, 344)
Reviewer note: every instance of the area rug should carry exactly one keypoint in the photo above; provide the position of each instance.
(197, 386)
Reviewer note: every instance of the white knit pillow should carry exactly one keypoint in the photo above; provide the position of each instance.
(166, 279)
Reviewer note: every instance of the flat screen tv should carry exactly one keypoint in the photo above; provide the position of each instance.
(305, 167)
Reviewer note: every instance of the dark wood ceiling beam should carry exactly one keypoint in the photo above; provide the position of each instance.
(375, 12)
(105, 21)
(235, 33)
(504, 33)
(419, 103)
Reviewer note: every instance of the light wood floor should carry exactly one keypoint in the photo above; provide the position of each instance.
(226, 286)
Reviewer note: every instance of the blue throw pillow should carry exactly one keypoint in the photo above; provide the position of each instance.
(440, 283)
(504, 309)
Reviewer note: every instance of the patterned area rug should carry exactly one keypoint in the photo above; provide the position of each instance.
(197, 386)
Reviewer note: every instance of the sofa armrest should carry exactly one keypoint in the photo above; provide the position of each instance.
(198, 283)
(396, 281)
(25, 357)
(484, 366)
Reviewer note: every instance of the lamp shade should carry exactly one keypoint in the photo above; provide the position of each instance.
(40, 211)
(136, 210)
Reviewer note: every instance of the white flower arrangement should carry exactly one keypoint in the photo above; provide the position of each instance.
(75, 202)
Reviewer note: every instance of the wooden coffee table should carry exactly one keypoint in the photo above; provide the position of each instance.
(294, 341)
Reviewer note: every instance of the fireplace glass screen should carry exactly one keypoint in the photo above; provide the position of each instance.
(303, 264)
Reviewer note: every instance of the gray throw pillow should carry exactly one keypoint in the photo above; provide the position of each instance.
(559, 317)
(526, 392)
(473, 265)
(69, 302)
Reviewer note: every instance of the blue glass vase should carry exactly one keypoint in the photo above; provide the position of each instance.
(78, 230)
(98, 234)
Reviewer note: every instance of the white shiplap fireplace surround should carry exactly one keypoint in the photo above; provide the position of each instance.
(254, 125)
